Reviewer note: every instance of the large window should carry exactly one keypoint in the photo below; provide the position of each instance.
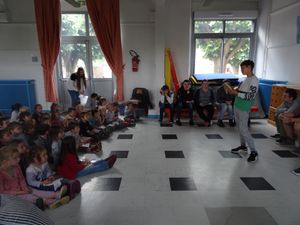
(220, 45)
(80, 48)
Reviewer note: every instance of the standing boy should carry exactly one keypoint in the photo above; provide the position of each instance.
(245, 96)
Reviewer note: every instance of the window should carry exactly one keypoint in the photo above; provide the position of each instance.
(221, 45)
(80, 48)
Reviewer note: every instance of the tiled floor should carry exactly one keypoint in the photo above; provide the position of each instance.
(152, 184)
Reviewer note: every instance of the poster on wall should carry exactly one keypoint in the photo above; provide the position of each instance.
(298, 29)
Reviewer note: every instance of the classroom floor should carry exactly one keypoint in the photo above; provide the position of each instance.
(190, 178)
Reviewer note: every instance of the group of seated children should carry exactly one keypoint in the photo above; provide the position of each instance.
(202, 99)
(39, 152)
(287, 119)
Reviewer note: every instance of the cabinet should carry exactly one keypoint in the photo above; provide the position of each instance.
(276, 99)
(17, 91)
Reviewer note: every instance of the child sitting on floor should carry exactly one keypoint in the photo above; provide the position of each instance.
(70, 167)
(12, 182)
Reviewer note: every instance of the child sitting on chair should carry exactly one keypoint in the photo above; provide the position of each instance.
(166, 101)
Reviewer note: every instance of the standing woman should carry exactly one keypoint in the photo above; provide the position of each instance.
(76, 85)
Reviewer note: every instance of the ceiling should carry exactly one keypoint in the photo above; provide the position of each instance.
(22, 11)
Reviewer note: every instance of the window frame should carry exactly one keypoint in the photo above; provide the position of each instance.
(222, 36)
(88, 40)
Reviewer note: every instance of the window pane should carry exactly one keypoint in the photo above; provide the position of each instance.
(100, 67)
(211, 26)
(239, 26)
(73, 25)
(91, 29)
(236, 50)
(73, 56)
(208, 56)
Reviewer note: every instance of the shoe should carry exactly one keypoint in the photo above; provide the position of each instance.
(74, 188)
(232, 123)
(62, 192)
(296, 172)
(111, 160)
(39, 202)
(220, 123)
(280, 140)
(178, 123)
(58, 203)
(191, 122)
(237, 149)
(275, 136)
(253, 157)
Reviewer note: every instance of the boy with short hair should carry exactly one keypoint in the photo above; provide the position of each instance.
(244, 99)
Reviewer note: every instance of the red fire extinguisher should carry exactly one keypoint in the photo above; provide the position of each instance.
(134, 60)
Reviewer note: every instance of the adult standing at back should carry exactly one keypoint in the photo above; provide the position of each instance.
(76, 85)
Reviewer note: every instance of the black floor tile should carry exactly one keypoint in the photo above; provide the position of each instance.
(257, 183)
(174, 154)
(125, 136)
(182, 184)
(228, 154)
(120, 154)
(109, 184)
(169, 136)
(259, 136)
(285, 154)
(213, 136)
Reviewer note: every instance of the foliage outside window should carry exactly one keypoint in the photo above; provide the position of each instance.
(220, 45)
(80, 48)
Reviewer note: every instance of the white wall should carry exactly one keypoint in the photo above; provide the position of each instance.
(18, 44)
(149, 29)
(282, 51)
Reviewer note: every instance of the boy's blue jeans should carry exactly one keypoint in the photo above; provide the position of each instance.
(95, 167)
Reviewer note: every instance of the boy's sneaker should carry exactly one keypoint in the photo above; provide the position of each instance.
(111, 160)
(39, 202)
(237, 149)
(253, 157)
(220, 123)
(296, 172)
(62, 192)
(275, 136)
(58, 203)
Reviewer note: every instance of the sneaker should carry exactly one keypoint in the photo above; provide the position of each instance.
(191, 123)
(178, 123)
(280, 140)
(62, 192)
(275, 136)
(253, 157)
(220, 123)
(111, 160)
(74, 188)
(296, 172)
(58, 203)
(237, 149)
(39, 202)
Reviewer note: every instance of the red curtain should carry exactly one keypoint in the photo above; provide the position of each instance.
(47, 15)
(105, 17)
